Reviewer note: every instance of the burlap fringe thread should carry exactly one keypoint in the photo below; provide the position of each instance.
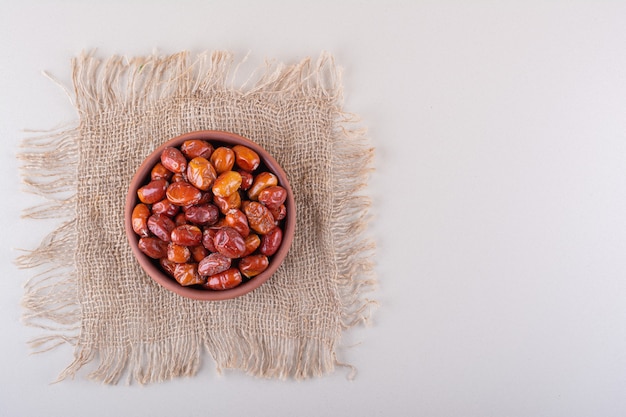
(49, 169)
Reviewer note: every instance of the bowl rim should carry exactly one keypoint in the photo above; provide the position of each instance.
(148, 264)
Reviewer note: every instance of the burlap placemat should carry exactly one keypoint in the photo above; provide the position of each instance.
(90, 292)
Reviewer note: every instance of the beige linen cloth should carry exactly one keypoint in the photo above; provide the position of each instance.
(91, 293)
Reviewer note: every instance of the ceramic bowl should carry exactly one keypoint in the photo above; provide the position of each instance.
(152, 267)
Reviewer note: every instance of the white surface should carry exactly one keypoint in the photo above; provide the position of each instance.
(499, 197)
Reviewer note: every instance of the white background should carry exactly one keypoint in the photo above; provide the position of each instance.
(499, 200)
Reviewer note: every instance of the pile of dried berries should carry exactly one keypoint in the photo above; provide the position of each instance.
(212, 217)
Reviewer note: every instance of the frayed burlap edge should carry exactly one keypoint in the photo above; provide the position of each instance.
(51, 297)
(49, 162)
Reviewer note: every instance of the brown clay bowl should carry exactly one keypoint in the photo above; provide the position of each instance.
(152, 267)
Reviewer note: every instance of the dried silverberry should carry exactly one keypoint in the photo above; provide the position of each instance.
(238, 221)
(223, 159)
(166, 207)
(213, 264)
(187, 274)
(195, 147)
(200, 173)
(139, 219)
(278, 213)
(208, 236)
(187, 235)
(229, 242)
(273, 196)
(246, 158)
(253, 265)
(168, 266)
(252, 242)
(153, 247)
(203, 215)
(178, 177)
(174, 160)
(246, 179)
(226, 204)
(226, 184)
(198, 253)
(159, 172)
(161, 226)
(270, 242)
(152, 192)
(224, 280)
(259, 218)
(183, 194)
(261, 182)
(177, 253)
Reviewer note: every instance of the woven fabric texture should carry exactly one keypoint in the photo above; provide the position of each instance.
(94, 295)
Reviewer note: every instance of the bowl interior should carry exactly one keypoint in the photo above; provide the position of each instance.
(152, 268)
